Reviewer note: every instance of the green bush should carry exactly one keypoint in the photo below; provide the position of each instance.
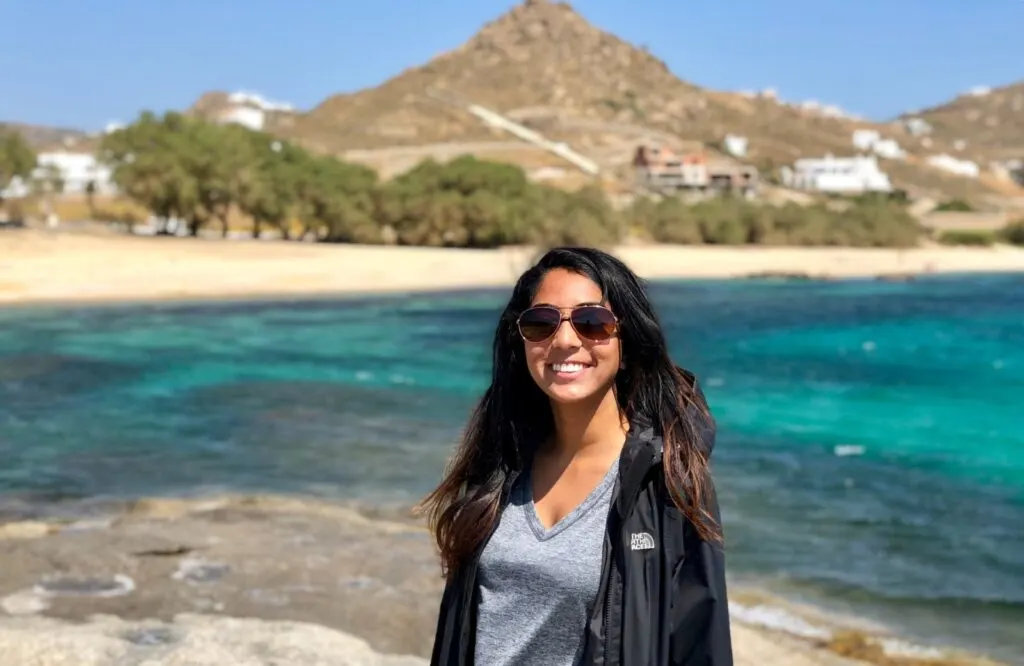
(732, 221)
(964, 237)
(955, 205)
(1013, 233)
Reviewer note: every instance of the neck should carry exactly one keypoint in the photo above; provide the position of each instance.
(590, 427)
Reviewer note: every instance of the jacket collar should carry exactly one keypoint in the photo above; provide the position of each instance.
(641, 453)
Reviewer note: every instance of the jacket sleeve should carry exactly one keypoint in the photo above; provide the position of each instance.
(698, 622)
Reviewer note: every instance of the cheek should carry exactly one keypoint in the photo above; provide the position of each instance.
(536, 357)
(607, 354)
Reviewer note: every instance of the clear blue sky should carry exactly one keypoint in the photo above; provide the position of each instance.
(82, 63)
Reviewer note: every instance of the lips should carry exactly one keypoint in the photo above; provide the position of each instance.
(568, 370)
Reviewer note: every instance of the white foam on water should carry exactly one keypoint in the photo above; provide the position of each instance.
(896, 647)
(844, 450)
(779, 619)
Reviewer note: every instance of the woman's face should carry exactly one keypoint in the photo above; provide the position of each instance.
(569, 367)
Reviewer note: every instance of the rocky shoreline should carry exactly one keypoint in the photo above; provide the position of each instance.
(284, 580)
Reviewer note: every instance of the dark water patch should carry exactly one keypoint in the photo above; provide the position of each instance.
(58, 585)
(32, 377)
(150, 636)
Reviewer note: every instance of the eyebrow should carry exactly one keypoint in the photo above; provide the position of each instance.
(578, 305)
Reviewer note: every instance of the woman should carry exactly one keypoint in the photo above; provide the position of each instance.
(577, 522)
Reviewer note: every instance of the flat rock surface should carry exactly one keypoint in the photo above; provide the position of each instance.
(253, 581)
(275, 559)
(189, 640)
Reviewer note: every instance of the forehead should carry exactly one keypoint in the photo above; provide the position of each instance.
(565, 289)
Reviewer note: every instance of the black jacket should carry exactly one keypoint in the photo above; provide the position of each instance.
(662, 599)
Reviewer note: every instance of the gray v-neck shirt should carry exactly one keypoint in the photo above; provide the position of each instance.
(538, 586)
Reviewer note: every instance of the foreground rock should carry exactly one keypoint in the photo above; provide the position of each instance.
(167, 583)
(189, 640)
(374, 576)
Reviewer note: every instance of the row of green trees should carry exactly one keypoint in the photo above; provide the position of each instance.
(1012, 234)
(183, 168)
(180, 167)
(212, 176)
(865, 222)
(17, 159)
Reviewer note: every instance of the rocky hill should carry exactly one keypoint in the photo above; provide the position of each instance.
(989, 122)
(545, 66)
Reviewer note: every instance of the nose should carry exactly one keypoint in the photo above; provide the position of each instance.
(566, 336)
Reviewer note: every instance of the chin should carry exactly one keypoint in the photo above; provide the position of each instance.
(566, 395)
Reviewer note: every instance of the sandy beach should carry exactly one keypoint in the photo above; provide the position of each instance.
(39, 266)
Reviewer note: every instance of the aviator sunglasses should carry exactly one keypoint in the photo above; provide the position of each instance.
(591, 322)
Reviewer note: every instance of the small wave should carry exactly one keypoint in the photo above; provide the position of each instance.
(773, 617)
(846, 450)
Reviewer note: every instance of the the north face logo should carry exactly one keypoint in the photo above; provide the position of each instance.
(641, 541)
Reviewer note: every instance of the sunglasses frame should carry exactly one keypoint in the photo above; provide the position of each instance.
(562, 318)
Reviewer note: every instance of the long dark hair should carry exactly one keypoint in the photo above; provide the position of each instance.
(514, 414)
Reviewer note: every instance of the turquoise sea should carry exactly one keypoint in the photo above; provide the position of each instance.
(870, 457)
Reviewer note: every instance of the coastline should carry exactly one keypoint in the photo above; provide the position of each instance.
(41, 267)
(174, 551)
(348, 583)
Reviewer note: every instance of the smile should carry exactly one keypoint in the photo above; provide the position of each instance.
(568, 369)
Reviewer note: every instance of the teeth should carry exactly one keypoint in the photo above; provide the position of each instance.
(567, 367)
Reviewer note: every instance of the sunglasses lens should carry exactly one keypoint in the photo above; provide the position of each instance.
(539, 324)
(594, 323)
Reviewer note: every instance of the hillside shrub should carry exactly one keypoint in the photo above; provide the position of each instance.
(1013, 233)
(967, 237)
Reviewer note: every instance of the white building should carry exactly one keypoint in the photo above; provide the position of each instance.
(833, 111)
(244, 98)
(953, 165)
(839, 175)
(918, 126)
(869, 140)
(735, 145)
(889, 149)
(864, 139)
(247, 116)
(75, 170)
(250, 110)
